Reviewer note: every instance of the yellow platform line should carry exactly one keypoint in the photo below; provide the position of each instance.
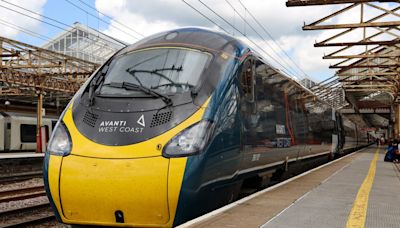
(358, 213)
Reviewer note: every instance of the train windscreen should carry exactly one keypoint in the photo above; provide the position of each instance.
(165, 70)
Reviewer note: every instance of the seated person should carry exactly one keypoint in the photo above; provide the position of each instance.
(390, 151)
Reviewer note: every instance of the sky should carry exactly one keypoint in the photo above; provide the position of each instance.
(131, 20)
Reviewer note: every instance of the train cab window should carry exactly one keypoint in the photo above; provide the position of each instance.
(168, 71)
(247, 80)
(28, 133)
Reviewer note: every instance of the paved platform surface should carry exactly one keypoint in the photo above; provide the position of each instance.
(20, 155)
(356, 191)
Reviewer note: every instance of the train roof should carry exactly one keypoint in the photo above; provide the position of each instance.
(193, 36)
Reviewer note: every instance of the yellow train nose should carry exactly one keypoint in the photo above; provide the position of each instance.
(110, 191)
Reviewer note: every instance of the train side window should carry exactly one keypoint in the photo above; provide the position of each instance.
(247, 80)
(53, 124)
(47, 132)
(8, 126)
(28, 133)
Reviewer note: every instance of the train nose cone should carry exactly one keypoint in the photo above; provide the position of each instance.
(112, 191)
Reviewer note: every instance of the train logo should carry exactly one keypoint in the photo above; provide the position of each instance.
(141, 121)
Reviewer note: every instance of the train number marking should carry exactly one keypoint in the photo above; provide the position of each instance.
(255, 157)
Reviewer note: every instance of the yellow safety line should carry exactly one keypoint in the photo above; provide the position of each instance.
(358, 213)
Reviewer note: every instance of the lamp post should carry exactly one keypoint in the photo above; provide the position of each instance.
(7, 103)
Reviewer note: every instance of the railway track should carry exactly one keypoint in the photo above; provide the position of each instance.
(22, 193)
(20, 177)
(27, 216)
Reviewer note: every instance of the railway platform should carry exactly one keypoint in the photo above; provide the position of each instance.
(21, 155)
(356, 190)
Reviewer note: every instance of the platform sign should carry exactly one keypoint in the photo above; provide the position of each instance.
(280, 129)
(368, 129)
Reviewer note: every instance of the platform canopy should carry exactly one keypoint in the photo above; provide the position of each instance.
(57, 69)
(367, 50)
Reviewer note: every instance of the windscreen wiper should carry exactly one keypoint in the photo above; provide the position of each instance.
(155, 71)
(132, 86)
(173, 68)
(95, 83)
(179, 84)
(132, 72)
(193, 93)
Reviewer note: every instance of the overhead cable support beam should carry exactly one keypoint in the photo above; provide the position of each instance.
(377, 55)
(353, 25)
(366, 66)
(390, 42)
(368, 74)
(361, 73)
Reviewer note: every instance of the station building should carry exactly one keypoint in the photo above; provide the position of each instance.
(85, 43)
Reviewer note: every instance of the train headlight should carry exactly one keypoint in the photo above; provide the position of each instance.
(190, 141)
(60, 141)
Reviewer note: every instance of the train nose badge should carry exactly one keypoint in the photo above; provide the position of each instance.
(141, 121)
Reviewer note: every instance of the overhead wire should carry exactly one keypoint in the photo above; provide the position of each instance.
(104, 21)
(253, 42)
(261, 37)
(48, 18)
(120, 23)
(24, 30)
(102, 45)
(209, 19)
(272, 38)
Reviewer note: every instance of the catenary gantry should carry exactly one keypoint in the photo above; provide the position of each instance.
(366, 38)
(31, 71)
(25, 69)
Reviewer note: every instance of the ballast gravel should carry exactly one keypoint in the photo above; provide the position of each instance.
(23, 184)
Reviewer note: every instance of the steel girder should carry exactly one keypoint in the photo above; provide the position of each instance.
(377, 67)
(27, 69)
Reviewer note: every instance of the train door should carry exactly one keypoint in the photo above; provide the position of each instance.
(295, 120)
(340, 132)
(321, 137)
(7, 135)
(357, 135)
(248, 112)
(2, 132)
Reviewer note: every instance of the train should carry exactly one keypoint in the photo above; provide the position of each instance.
(175, 125)
(18, 131)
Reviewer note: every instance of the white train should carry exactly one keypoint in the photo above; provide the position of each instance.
(18, 131)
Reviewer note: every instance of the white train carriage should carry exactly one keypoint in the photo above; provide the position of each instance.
(19, 131)
(2, 133)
